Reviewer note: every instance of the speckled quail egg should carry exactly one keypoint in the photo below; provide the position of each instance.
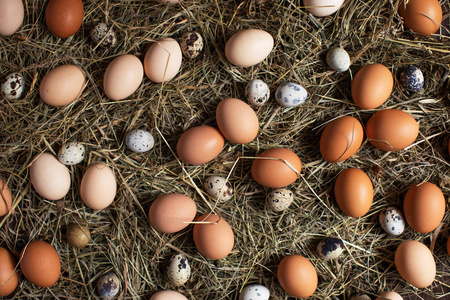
(290, 94)
(179, 269)
(139, 140)
(330, 248)
(191, 44)
(338, 59)
(257, 92)
(71, 153)
(392, 221)
(108, 285)
(360, 297)
(13, 86)
(255, 292)
(279, 199)
(219, 188)
(103, 35)
(412, 79)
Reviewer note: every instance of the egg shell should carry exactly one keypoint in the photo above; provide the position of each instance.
(341, 139)
(415, 263)
(248, 47)
(279, 199)
(13, 86)
(424, 207)
(290, 94)
(330, 248)
(179, 269)
(315, 9)
(49, 177)
(11, 16)
(237, 121)
(172, 212)
(5, 198)
(275, 173)
(62, 85)
(103, 35)
(191, 44)
(392, 220)
(448, 246)
(219, 188)
(297, 276)
(108, 285)
(9, 278)
(389, 295)
(122, 77)
(421, 16)
(40, 263)
(199, 145)
(360, 297)
(98, 186)
(214, 241)
(64, 17)
(338, 59)
(139, 140)
(392, 130)
(255, 292)
(71, 153)
(78, 235)
(257, 92)
(412, 79)
(168, 295)
(163, 60)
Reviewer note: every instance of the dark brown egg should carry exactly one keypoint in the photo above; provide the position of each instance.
(64, 17)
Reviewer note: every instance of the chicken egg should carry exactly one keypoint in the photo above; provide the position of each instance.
(255, 292)
(257, 92)
(279, 199)
(9, 277)
(98, 186)
(389, 295)
(323, 8)
(139, 140)
(191, 44)
(421, 16)
(248, 47)
(71, 153)
(290, 94)
(5, 198)
(64, 17)
(338, 59)
(13, 86)
(168, 295)
(163, 60)
(297, 276)
(179, 269)
(219, 188)
(392, 220)
(11, 16)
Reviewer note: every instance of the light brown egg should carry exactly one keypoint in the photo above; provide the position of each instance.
(163, 60)
(353, 191)
(237, 121)
(168, 295)
(415, 263)
(172, 212)
(276, 173)
(62, 85)
(372, 86)
(389, 295)
(64, 17)
(329, 7)
(49, 177)
(341, 138)
(392, 130)
(297, 276)
(424, 207)
(421, 16)
(11, 16)
(98, 186)
(5, 198)
(9, 278)
(213, 241)
(248, 47)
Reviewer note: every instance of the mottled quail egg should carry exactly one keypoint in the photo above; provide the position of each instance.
(71, 153)
(257, 92)
(338, 59)
(191, 44)
(103, 35)
(139, 140)
(330, 248)
(360, 297)
(108, 286)
(13, 86)
(219, 188)
(392, 221)
(290, 94)
(255, 292)
(78, 235)
(179, 269)
(412, 79)
(279, 199)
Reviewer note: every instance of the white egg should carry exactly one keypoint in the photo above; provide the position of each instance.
(290, 94)
(257, 92)
(338, 59)
(392, 221)
(279, 199)
(219, 188)
(255, 292)
(13, 86)
(179, 269)
(360, 297)
(71, 153)
(139, 140)
(330, 248)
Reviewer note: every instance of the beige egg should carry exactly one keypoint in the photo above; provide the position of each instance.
(11, 16)
(323, 8)
(98, 186)
(248, 47)
(163, 60)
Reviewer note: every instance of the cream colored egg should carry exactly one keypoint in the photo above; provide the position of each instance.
(11, 16)
(323, 8)
(163, 60)
(248, 47)
(98, 186)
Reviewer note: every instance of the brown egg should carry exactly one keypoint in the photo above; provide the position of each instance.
(237, 121)
(64, 17)
(392, 130)
(276, 173)
(9, 278)
(168, 295)
(372, 86)
(248, 47)
(389, 295)
(200, 144)
(78, 235)
(11, 16)
(415, 263)
(424, 207)
(40, 263)
(353, 191)
(213, 241)
(5, 198)
(98, 186)
(341, 138)
(448, 246)
(172, 212)
(297, 276)
(421, 16)
(163, 60)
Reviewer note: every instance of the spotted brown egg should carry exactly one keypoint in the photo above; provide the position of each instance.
(219, 188)
(191, 44)
(179, 269)
(392, 220)
(279, 199)
(13, 86)
(71, 153)
(330, 248)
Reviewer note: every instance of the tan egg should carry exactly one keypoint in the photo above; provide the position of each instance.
(49, 177)
(248, 47)
(9, 277)
(237, 121)
(78, 235)
(122, 77)
(323, 8)
(11, 16)
(64, 17)
(168, 295)
(163, 60)
(98, 186)
(421, 16)
(5, 198)
(389, 295)
(297, 276)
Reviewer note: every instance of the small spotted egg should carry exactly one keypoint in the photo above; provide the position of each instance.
(191, 44)
(338, 59)
(257, 92)
(412, 79)
(108, 286)
(139, 140)
(279, 199)
(290, 94)
(103, 35)
(392, 221)
(255, 292)
(219, 188)
(330, 248)
(179, 269)
(360, 297)
(13, 86)
(71, 153)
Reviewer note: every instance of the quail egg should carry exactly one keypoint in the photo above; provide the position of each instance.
(77, 235)
(13, 86)
(338, 59)
(103, 35)
(139, 140)
(257, 92)
(255, 292)
(279, 199)
(219, 188)
(179, 269)
(412, 79)
(392, 220)
(290, 94)
(71, 153)
(330, 248)
(191, 44)
(108, 286)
